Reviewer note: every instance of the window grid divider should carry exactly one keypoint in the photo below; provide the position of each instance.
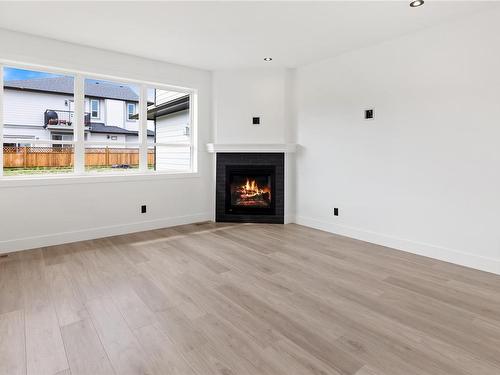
(79, 131)
(1, 118)
(193, 128)
(143, 128)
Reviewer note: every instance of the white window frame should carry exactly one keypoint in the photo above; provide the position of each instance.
(127, 111)
(92, 100)
(79, 142)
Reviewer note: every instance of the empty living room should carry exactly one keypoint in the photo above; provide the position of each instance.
(250, 187)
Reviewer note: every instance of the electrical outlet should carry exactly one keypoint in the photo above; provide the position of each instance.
(336, 211)
(143, 209)
(369, 114)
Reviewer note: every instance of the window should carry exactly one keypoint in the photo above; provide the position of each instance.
(61, 137)
(131, 112)
(169, 137)
(21, 140)
(113, 146)
(94, 108)
(45, 128)
(37, 122)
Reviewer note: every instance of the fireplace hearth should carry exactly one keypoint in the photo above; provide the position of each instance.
(250, 187)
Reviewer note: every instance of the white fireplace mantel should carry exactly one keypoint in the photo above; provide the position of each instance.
(248, 147)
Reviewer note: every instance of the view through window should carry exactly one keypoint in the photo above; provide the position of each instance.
(39, 125)
(112, 137)
(38, 122)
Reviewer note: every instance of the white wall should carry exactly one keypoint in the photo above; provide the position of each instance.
(74, 211)
(28, 107)
(240, 95)
(115, 113)
(120, 139)
(424, 176)
(15, 132)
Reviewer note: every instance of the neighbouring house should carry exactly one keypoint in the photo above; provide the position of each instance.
(43, 109)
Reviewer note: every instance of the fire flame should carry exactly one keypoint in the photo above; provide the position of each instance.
(252, 189)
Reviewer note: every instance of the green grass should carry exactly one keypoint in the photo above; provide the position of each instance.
(53, 170)
(35, 171)
(103, 168)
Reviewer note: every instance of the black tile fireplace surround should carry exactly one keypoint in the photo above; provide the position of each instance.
(250, 187)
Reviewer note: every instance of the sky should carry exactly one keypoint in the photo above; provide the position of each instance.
(12, 74)
(15, 74)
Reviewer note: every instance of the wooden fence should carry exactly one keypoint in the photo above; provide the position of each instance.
(59, 157)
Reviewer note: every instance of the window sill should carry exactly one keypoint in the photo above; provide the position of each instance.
(88, 178)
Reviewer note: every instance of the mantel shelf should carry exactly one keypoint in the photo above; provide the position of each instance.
(248, 147)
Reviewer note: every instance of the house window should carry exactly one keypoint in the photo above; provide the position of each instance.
(62, 137)
(51, 140)
(131, 111)
(169, 138)
(94, 108)
(34, 104)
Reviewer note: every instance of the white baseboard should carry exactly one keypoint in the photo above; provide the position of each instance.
(432, 251)
(25, 243)
(428, 250)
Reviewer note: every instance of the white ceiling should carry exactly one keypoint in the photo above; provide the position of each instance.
(218, 35)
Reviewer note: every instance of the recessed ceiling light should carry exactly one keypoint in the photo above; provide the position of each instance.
(268, 59)
(417, 3)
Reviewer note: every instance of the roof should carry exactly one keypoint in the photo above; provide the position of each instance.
(64, 85)
(99, 127)
(176, 105)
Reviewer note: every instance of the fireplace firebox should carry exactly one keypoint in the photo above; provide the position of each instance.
(250, 190)
(250, 187)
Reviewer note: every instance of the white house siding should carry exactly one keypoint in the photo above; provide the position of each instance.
(170, 158)
(151, 127)
(115, 112)
(124, 140)
(28, 133)
(24, 111)
(171, 129)
(100, 137)
(131, 124)
(134, 139)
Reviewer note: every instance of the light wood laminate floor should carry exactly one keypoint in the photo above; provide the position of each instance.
(243, 299)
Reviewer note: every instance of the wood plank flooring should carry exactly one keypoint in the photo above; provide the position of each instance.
(244, 299)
